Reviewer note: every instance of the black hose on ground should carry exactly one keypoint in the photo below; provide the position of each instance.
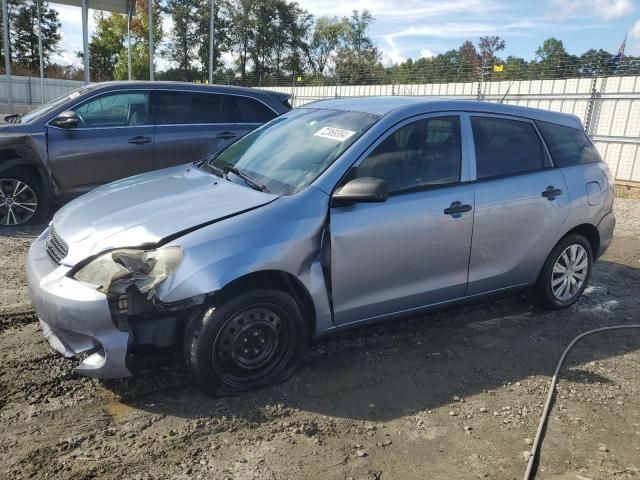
(535, 449)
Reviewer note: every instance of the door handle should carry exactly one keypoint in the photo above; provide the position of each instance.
(139, 140)
(551, 193)
(457, 209)
(226, 135)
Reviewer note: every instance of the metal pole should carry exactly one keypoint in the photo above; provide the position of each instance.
(211, 41)
(150, 39)
(85, 39)
(7, 52)
(129, 42)
(40, 50)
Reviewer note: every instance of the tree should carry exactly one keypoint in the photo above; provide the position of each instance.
(221, 36)
(241, 32)
(323, 41)
(358, 59)
(554, 61)
(107, 45)
(185, 37)
(23, 29)
(140, 42)
(468, 61)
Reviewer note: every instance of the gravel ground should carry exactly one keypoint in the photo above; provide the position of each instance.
(453, 394)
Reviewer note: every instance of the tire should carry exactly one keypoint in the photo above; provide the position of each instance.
(252, 340)
(22, 198)
(557, 290)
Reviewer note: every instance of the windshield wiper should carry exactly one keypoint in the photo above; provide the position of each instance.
(247, 178)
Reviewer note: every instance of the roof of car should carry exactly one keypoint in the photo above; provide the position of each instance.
(384, 105)
(166, 85)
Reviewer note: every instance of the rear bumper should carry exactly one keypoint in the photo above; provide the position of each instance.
(606, 228)
(74, 317)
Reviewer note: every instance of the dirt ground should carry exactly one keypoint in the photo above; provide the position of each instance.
(449, 395)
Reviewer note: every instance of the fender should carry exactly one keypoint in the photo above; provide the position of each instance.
(28, 150)
(220, 253)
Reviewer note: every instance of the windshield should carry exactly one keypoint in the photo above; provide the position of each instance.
(291, 151)
(54, 104)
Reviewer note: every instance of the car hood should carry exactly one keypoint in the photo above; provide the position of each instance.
(148, 208)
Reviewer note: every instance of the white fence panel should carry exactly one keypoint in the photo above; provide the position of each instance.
(615, 118)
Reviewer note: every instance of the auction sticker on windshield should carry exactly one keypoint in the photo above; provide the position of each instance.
(333, 133)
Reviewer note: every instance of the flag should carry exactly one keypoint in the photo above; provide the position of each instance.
(617, 59)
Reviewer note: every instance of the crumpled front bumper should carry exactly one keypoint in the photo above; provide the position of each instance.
(74, 317)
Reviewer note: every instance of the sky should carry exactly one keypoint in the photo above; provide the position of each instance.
(423, 28)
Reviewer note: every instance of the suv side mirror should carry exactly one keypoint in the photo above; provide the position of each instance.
(66, 119)
(360, 190)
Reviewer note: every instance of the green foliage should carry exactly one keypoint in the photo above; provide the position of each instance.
(23, 30)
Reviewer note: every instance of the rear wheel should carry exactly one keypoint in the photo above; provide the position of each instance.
(21, 199)
(566, 272)
(253, 340)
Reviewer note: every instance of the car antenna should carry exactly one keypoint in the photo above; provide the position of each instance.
(507, 92)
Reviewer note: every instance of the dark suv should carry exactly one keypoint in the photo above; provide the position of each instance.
(104, 132)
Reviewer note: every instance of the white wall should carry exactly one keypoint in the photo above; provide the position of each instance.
(615, 120)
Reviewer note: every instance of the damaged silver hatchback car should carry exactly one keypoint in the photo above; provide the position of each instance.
(332, 215)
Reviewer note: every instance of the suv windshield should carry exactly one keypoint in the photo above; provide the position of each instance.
(53, 104)
(291, 151)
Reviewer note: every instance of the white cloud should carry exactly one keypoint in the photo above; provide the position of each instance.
(426, 53)
(605, 9)
(633, 47)
(401, 8)
(635, 31)
(459, 30)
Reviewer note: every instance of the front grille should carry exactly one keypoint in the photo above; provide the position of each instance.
(56, 248)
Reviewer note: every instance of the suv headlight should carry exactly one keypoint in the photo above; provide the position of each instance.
(115, 271)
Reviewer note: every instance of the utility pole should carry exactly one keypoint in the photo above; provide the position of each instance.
(7, 52)
(211, 41)
(150, 21)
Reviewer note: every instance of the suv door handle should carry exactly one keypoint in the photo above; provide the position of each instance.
(457, 209)
(551, 193)
(226, 135)
(139, 140)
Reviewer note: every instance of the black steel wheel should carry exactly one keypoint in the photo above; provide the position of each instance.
(255, 339)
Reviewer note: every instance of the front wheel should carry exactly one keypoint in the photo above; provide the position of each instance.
(22, 199)
(566, 272)
(253, 340)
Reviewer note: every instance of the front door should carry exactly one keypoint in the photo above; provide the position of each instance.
(521, 204)
(413, 249)
(113, 139)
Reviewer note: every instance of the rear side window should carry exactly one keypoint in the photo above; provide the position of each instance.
(568, 146)
(505, 147)
(245, 110)
(177, 108)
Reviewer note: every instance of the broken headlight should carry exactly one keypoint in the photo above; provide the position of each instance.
(116, 271)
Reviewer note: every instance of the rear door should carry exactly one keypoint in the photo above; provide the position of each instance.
(245, 113)
(521, 202)
(189, 126)
(413, 249)
(113, 139)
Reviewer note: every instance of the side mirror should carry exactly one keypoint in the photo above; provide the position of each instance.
(66, 119)
(360, 190)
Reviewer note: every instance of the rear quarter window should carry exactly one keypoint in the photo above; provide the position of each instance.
(568, 146)
(236, 109)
